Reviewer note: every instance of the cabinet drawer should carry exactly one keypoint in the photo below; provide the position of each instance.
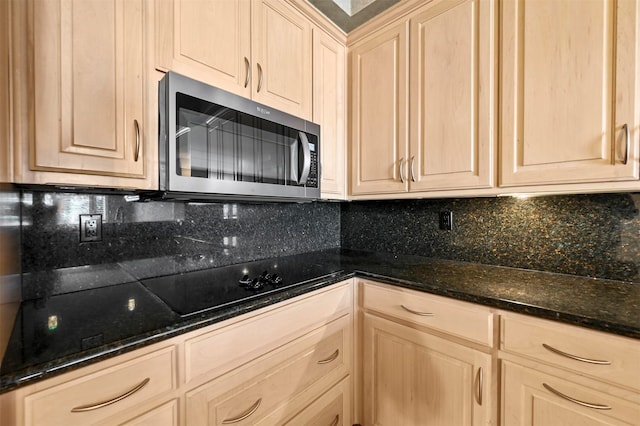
(531, 397)
(105, 393)
(460, 319)
(333, 408)
(276, 385)
(218, 351)
(164, 415)
(601, 355)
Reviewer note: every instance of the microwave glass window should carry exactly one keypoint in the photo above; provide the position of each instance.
(214, 142)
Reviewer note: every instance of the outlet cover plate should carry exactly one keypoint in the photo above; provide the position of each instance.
(90, 228)
(446, 220)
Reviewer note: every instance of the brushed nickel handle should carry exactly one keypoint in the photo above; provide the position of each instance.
(575, 357)
(97, 405)
(480, 381)
(331, 358)
(336, 420)
(400, 169)
(243, 416)
(576, 401)
(625, 127)
(259, 77)
(413, 176)
(136, 154)
(247, 72)
(422, 314)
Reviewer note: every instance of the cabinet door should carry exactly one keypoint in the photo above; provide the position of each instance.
(329, 100)
(452, 95)
(379, 67)
(207, 40)
(5, 152)
(414, 378)
(281, 48)
(528, 399)
(88, 86)
(570, 110)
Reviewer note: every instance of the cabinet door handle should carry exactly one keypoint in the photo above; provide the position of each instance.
(247, 72)
(259, 77)
(625, 127)
(413, 176)
(95, 406)
(336, 420)
(136, 154)
(480, 382)
(575, 357)
(400, 169)
(245, 415)
(422, 314)
(331, 358)
(576, 401)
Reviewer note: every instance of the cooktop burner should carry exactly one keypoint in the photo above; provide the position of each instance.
(195, 292)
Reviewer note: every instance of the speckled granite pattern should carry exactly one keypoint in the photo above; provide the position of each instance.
(594, 235)
(183, 236)
(605, 305)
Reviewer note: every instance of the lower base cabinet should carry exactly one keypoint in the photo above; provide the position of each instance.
(414, 378)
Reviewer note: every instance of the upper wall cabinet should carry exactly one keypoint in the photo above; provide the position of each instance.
(79, 92)
(379, 128)
(259, 49)
(329, 98)
(570, 91)
(452, 95)
(443, 81)
(5, 152)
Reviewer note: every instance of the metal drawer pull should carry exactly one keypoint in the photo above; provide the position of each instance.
(576, 401)
(137, 153)
(332, 357)
(413, 176)
(248, 71)
(259, 78)
(575, 357)
(241, 417)
(400, 169)
(336, 420)
(479, 380)
(625, 127)
(95, 406)
(422, 314)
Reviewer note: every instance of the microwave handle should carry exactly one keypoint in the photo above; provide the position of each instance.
(306, 167)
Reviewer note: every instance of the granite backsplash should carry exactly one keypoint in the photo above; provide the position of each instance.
(595, 235)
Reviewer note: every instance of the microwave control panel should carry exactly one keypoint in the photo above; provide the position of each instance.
(312, 180)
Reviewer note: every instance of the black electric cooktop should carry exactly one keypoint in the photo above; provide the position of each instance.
(192, 293)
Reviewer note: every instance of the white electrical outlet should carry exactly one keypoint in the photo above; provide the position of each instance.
(90, 228)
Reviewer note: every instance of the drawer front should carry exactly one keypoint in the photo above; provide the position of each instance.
(252, 394)
(460, 319)
(331, 409)
(601, 355)
(531, 397)
(221, 350)
(165, 415)
(105, 393)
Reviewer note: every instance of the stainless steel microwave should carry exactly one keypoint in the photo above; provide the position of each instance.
(217, 145)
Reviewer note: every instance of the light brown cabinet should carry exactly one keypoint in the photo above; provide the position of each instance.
(5, 146)
(560, 374)
(260, 49)
(329, 100)
(570, 84)
(77, 112)
(412, 376)
(423, 112)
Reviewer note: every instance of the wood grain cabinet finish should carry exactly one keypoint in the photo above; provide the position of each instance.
(5, 135)
(260, 49)
(332, 409)
(329, 100)
(560, 374)
(416, 372)
(570, 90)
(379, 107)
(452, 94)
(87, 92)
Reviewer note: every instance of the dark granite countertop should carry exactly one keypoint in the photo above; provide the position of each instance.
(60, 330)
